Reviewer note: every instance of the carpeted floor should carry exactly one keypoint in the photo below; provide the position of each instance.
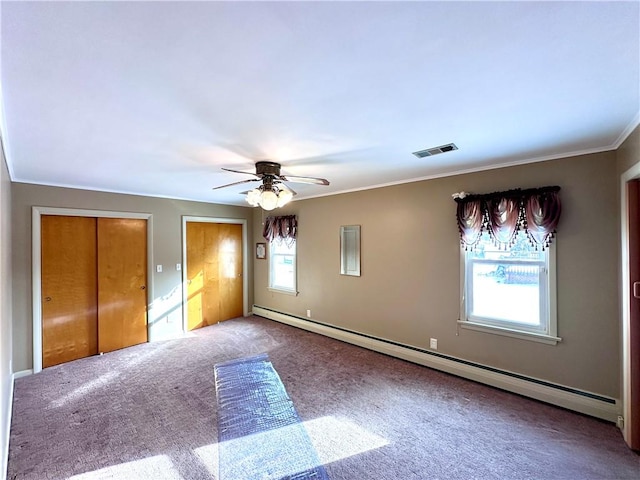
(148, 412)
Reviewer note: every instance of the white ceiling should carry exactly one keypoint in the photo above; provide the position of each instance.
(153, 98)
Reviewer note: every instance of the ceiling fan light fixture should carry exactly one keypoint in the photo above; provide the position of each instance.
(272, 193)
(253, 197)
(268, 200)
(284, 197)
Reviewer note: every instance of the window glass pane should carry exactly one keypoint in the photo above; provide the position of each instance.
(283, 271)
(520, 250)
(282, 247)
(509, 287)
(282, 266)
(504, 285)
(506, 292)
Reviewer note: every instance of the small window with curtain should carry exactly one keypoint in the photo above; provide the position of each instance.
(282, 266)
(508, 262)
(281, 233)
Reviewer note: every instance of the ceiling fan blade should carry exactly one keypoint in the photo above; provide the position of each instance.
(292, 190)
(296, 179)
(238, 171)
(237, 183)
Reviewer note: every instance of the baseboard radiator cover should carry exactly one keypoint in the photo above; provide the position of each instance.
(581, 401)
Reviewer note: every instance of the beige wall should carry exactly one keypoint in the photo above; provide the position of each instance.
(629, 152)
(167, 214)
(5, 311)
(409, 289)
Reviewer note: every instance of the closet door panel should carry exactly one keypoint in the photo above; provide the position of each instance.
(203, 298)
(230, 271)
(122, 283)
(69, 288)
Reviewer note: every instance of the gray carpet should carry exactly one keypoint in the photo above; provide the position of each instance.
(148, 412)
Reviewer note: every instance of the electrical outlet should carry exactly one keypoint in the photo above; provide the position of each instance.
(620, 422)
(309, 313)
(433, 343)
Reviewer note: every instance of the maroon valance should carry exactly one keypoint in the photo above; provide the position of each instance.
(283, 228)
(502, 214)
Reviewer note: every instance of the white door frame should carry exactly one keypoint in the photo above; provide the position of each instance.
(36, 263)
(631, 174)
(245, 249)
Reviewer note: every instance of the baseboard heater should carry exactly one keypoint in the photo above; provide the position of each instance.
(589, 403)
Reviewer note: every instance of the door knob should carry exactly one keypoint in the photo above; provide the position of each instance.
(143, 287)
(636, 289)
(47, 299)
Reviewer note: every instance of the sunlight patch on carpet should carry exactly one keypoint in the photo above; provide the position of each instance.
(333, 438)
(273, 455)
(208, 455)
(158, 467)
(84, 389)
(338, 438)
(105, 379)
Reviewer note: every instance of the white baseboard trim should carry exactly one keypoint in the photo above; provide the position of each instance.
(22, 373)
(596, 405)
(4, 465)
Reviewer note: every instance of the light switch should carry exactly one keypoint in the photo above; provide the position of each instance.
(159, 268)
(178, 267)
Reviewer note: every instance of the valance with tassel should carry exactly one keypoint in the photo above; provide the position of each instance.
(502, 214)
(284, 228)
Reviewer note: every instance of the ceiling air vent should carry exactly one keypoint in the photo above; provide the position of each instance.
(436, 150)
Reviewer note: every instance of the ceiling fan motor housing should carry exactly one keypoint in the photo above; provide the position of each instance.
(267, 169)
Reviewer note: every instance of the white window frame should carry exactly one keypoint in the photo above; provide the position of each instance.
(282, 288)
(548, 308)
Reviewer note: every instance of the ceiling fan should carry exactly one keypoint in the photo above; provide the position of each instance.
(272, 192)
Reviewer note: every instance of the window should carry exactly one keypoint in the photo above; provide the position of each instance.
(508, 262)
(510, 290)
(282, 265)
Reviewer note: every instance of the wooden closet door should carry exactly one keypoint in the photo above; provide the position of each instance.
(214, 273)
(230, 271)
(69, 288)
(122, 283)
(203, 299)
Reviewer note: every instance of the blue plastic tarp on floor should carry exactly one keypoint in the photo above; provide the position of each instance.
(260, 435)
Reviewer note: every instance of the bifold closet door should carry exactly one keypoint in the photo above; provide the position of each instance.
(230, 264)
(122, 283)
(202, 274)
(94, 281)
(214, 273)
(69, 289)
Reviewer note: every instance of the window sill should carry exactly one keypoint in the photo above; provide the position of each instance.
(522, 335)
(283, 291)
